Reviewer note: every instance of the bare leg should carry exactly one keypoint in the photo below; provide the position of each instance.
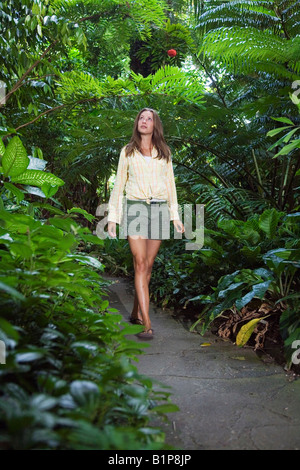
(152, 250)
(144, 252)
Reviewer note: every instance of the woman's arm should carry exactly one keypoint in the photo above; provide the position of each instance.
(116, 199)
(172, 194)
(172, 199)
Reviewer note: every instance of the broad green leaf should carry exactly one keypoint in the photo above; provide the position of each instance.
(90, 238)
(257, 291)
(268, 222)
(252, 253)
(89, 260)
(18, 222)
(21, 250)
(11, 291)
(15, 191)
(33, 190)
(9, 329)
(168, 408)
(264, 273)
(35, 9)
(49, 208)
(47, 232)
(38, 178)
(277, 131)
(61, 223)
(277, 143)
(42, 402)
(84, 392)
(232, 287)
(29, 356)
(289, 135)
(15, 159)
(49, 189)
(2, 148)
(288, 148)
(83, 212)
(284, 119)
(132, 329)
(286, 256)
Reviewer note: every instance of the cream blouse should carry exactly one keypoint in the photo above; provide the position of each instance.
(143, 181)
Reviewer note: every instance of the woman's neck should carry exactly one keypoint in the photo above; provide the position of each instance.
(146, 144)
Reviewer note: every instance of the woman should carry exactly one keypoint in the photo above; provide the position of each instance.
(145, 172)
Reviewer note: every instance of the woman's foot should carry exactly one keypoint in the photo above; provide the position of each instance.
(136, 317)
(135, 320)
(146, 334)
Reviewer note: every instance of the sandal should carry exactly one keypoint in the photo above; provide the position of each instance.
(135, 320)
(147, 334)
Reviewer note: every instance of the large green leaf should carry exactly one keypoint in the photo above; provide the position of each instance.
(268, 222)
(11, 291)
(289, 147)
(258, 290)
(15, 159)
(37, 178)
(84, 392)
(2, 148)
(15, 191)
(89, 260)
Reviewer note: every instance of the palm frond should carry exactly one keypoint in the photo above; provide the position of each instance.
(169, 80)
(246, 50)
(220, 202)
(245, 13)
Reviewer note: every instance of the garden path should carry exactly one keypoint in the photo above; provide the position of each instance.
(229, 399)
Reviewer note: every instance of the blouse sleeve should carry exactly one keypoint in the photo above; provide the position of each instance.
(172, 194)
(115, 203)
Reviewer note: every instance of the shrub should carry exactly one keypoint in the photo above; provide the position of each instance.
(69, 381)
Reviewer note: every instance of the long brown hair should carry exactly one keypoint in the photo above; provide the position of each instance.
(158, 140)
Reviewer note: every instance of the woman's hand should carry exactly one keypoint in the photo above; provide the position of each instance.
(179, 226)
(111, 229)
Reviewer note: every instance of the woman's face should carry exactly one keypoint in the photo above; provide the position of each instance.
(146, 123)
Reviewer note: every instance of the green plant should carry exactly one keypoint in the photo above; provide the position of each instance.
(15, 163)
(69, 381)
(271, 243)
(253, 37)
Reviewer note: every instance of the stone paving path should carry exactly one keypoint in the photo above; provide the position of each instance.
(229, 399)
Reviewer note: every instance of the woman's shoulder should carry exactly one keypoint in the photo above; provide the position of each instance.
(128, 151)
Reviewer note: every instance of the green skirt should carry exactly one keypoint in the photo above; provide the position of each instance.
(151, 221)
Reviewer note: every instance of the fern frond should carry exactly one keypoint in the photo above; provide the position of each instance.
(170, 81)
(144, 13)
(246, 49)
(248, 13)
(220, 202)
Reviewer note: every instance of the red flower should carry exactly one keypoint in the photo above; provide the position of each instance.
(172, 53)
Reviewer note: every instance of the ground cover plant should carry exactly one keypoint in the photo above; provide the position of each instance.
(74, 75)
(68, 380)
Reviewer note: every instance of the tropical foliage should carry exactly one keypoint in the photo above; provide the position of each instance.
(74, 76)
(68, 380)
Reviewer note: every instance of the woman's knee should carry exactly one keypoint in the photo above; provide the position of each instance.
(141, 264)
